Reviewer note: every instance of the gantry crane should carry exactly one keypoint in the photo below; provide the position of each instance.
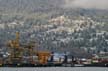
(16, 51)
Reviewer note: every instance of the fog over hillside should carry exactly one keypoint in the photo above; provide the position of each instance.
(36, 4)
(96, 4)
(48, 5)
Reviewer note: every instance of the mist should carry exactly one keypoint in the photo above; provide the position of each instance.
(95, 4)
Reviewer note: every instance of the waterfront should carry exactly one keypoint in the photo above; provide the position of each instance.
(55, 69)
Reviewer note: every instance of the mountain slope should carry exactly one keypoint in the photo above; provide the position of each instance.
(54, 28)
(29, 5)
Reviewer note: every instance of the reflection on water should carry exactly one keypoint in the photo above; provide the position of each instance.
(56, 69)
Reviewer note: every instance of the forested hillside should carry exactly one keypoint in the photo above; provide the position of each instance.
(54, 27)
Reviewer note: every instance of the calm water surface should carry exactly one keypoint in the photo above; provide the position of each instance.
(57, 69)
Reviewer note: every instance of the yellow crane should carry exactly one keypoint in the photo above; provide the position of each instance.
(16, 52)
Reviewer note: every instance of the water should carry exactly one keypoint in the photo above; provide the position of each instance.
(57, 69)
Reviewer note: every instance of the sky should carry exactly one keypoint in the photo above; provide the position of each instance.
(96, 4)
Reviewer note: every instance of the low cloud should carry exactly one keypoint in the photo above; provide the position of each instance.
(96, 4)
